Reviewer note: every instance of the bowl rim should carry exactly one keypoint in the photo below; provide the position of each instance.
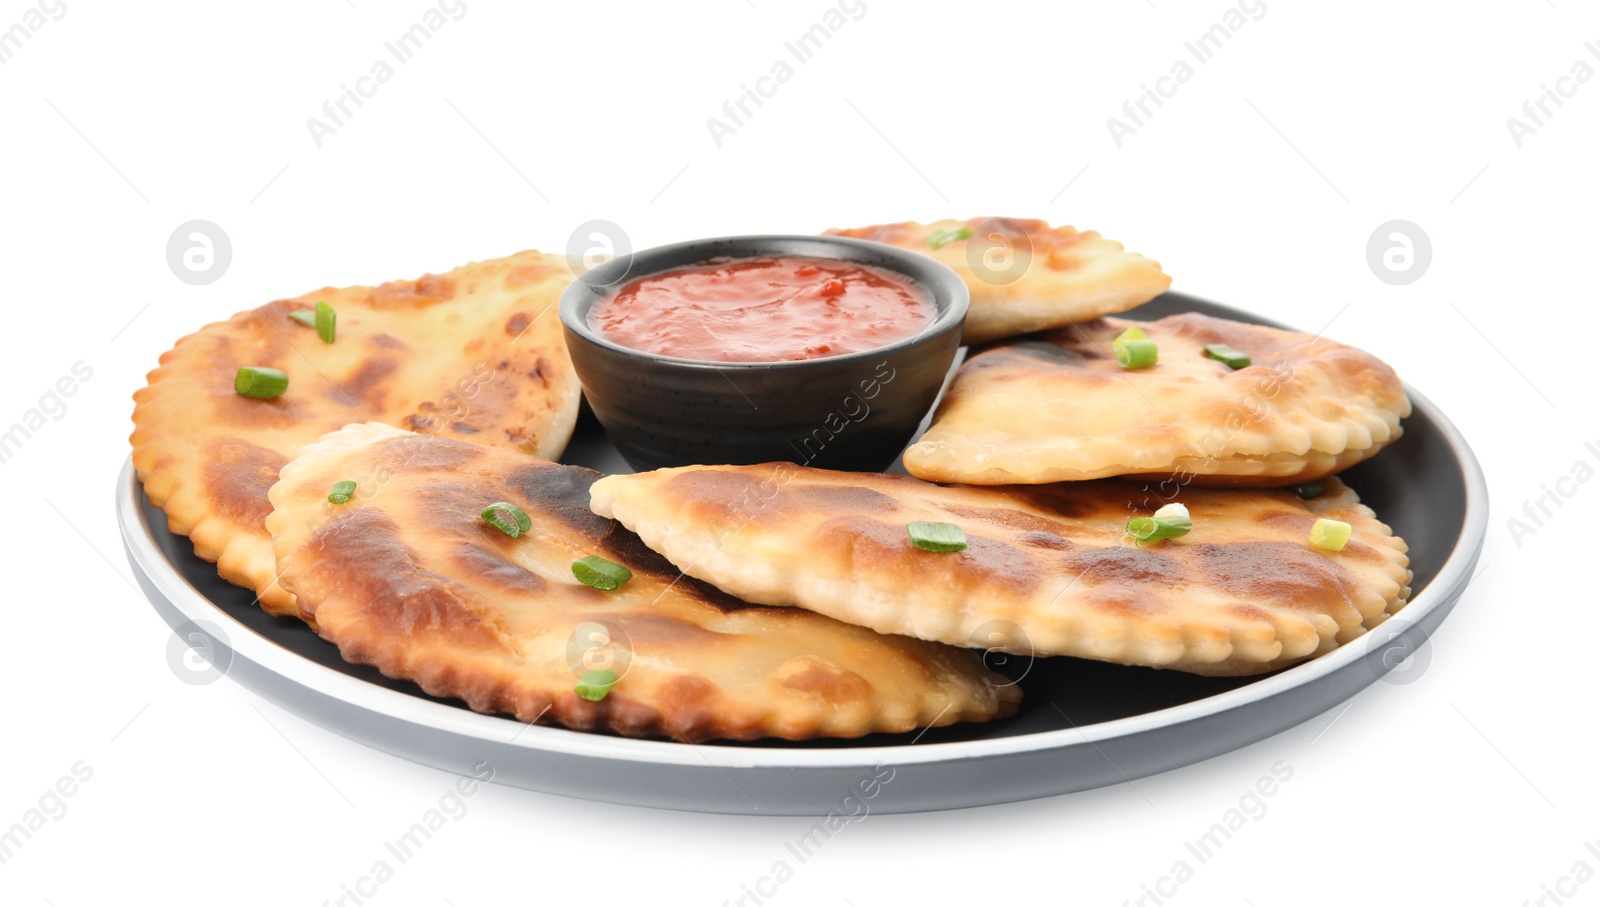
(949, 292)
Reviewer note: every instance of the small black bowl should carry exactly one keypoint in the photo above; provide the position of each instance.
(856, 411)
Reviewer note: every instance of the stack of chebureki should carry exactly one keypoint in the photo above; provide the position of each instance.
(474, 353)
(469, 393)
(773, 600)
(408, 577)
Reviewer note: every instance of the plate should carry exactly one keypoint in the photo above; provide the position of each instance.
(1082, 725)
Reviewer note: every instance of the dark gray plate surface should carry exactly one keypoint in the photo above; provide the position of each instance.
(1082, 724)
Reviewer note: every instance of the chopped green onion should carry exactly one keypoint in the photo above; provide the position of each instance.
(1154, 529)
(1330, 534)
(1227, 355)
(1172, 510)
(1134, 348)
(938, 537)
(322, 318)
(260, 382)
(1135, 353)
(941, 238)
(1308, 491)
(341, 492)
(507, 518)
(595, 685)
(325, 319)
(600, 573)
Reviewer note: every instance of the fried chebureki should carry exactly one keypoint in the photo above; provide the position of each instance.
(476, 353)
(1048, 570)
(1025, 275)
(1059, 408)
(408, 577)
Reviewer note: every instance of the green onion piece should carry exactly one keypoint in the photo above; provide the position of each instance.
(1308, 491)
(1227, 355)
(941, 238)
(1330, 534)
(1154, 529)
(595, 685)
(341, 492)
(940, 537)
(1135, 353)
(600, 573)
(260, 382)
(324, 321)
(305, 317)
(1132, 333)
(1174, 509)
(507, 518)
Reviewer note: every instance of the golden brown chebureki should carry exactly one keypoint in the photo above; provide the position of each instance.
(406, 576)
(473, 353)
(1058, 408)
(1048, 569)
(1025, 275)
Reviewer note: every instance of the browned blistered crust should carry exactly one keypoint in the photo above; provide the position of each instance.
(1058, 408)
(1048, 569)
(475, 353)
(1025, 275)
(407, 577)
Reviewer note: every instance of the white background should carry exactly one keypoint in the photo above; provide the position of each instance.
(1258, 184)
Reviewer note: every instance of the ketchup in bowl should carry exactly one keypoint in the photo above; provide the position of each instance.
(764, 309)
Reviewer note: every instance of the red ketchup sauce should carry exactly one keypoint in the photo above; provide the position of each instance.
(764, 310)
